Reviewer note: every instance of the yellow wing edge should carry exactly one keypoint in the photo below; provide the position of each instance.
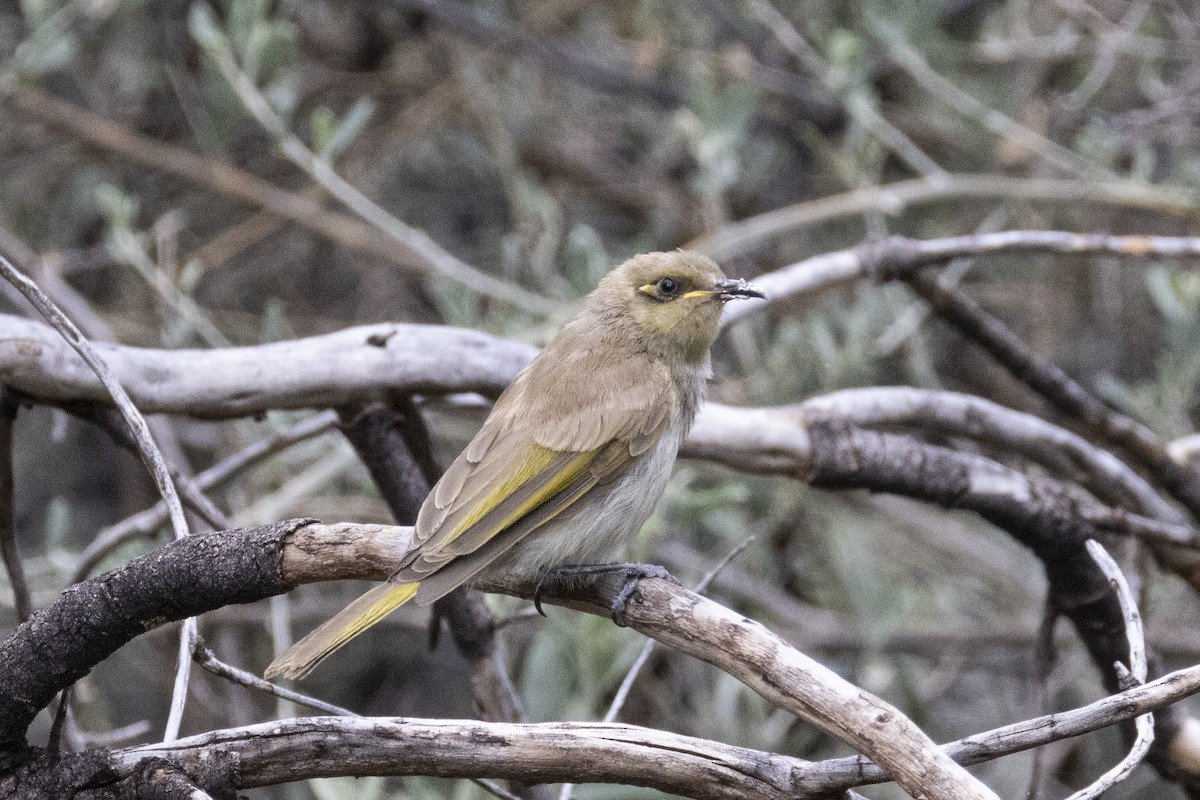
(302, 657)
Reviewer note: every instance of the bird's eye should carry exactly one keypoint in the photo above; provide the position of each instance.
(667, 286)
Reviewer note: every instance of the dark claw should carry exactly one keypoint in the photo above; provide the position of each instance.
(537, 596)
(634, 575)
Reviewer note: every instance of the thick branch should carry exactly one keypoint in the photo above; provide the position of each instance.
(355, 364)
(200, 573)
(1050, 381)
(1039, 514)
(1066, 455)
(60, 644)
(277, 752)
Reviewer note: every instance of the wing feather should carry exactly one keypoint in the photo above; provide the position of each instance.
(516, 478)
(522, 470)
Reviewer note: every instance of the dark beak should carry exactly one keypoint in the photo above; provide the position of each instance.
(734, 288)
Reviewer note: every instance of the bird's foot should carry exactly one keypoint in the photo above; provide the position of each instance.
(632, 573)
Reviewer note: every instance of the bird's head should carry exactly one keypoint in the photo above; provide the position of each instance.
(671, 302)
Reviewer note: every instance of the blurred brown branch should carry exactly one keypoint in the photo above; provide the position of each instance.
(223, 178)
(759, 231)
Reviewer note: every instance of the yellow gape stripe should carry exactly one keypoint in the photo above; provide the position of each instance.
(352, 620)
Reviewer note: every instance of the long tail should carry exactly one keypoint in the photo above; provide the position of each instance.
(300, 659)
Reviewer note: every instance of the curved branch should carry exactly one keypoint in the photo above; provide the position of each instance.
(278, 752)
(1065, 454)
(755, 232)
(1062, 452)
(367, 362)
(61, 643)
(899, 256)
(1052, 383)
(351, 365)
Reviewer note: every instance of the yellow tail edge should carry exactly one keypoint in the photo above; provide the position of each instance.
(301, 658)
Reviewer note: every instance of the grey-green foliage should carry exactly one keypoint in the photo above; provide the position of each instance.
(1167, 400)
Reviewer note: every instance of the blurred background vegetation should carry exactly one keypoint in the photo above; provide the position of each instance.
(543, 142)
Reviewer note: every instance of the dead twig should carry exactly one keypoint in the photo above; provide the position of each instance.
(144, 523)
(146, 448)
(1133, 675)
(8, 534)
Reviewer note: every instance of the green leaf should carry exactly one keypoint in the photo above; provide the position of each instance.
(338, 135)
(117, 208)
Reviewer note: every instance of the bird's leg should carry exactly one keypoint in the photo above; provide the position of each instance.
(434, 631)
(633, 573)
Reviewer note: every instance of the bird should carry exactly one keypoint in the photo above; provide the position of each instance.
(575, 453)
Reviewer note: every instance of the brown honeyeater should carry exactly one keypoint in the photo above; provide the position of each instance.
(576, 452)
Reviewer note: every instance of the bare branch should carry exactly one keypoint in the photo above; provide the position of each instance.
(1065, 454)
(898, 256)
(1135, 675)
(1048, 380)
(8, 534)
(1062, 452)
(278, 752)
(146, 522)
(146, 448)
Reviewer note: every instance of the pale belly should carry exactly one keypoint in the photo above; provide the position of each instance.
(603, 526)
